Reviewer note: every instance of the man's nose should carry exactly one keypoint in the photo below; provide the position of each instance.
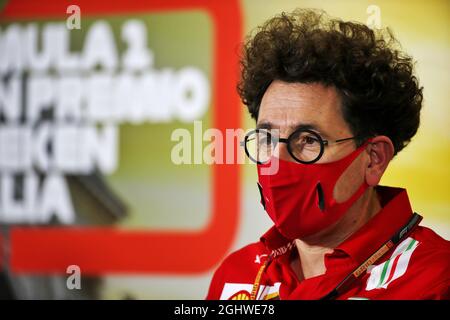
(282, 152)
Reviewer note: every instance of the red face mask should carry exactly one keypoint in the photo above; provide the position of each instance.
(299, 197)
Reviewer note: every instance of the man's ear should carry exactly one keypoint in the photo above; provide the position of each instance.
(381, 152)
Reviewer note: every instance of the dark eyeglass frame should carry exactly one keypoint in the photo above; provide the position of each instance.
(323, 143)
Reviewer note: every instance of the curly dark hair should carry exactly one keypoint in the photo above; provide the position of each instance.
(379, 93)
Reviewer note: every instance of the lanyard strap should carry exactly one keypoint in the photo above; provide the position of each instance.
(258, 277)
(361, 269)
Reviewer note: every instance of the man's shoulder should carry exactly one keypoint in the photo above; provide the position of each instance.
(434, 249)
(432, 260)
(244, 260)
(247, 251)
(430, 241)
(240, 266)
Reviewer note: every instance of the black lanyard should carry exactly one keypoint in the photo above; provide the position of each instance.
(345, 284)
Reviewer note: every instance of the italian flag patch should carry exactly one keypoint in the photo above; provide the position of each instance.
(383, 274)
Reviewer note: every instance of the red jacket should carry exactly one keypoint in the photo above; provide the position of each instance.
(416, 268)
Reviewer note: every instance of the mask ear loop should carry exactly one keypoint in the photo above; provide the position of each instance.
(362, 188)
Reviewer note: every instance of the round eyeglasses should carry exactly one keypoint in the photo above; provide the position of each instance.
(304, 145)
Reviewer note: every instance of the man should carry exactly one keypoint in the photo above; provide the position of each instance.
(334, 102)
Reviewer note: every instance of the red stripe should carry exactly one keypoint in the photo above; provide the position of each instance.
(394, 266)
(31, 9)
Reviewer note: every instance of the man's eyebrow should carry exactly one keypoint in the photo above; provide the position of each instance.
(264, 125)
(301, 126)
(306, 126)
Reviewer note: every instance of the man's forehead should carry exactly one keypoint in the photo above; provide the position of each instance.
(290, 98)
(293, 105)
(297, 91)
